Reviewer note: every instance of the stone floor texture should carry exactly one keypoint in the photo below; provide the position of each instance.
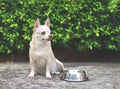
(101, 76)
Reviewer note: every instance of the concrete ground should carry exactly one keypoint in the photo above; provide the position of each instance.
(101, 76)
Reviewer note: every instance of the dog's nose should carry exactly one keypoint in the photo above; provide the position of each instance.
(50, 36)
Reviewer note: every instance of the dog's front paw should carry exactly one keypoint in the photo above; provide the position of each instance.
(31, 75)
(48, 76)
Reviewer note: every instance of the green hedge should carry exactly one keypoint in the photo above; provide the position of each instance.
(78, 24)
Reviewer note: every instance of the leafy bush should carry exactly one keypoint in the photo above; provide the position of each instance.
(81, 24)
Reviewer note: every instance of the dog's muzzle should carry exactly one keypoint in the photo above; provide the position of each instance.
(50, 38)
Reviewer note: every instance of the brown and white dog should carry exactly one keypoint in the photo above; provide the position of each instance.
(42, 59)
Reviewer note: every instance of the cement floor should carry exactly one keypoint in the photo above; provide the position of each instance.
(101, 76)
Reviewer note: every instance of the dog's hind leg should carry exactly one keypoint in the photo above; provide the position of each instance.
(59, 66)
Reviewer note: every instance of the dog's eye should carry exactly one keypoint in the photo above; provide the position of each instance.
(43, 33)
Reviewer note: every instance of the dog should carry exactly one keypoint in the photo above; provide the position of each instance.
(42, 59)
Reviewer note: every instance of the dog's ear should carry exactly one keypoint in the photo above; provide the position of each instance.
(36, 24)
(47, 22)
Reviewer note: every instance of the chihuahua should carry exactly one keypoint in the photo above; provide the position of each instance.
(42, 59)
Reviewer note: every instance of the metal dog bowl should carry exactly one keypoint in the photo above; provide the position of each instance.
(74, 75)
